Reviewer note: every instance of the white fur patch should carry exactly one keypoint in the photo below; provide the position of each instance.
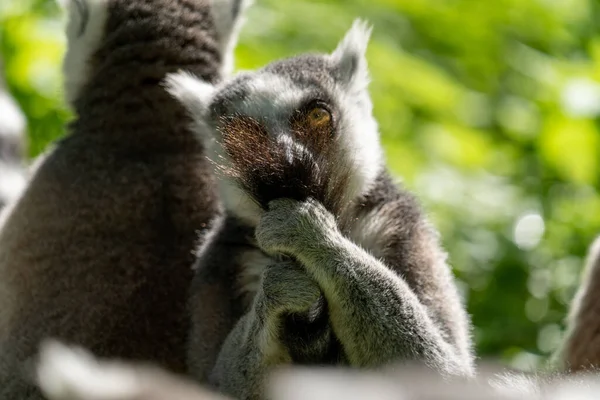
(85, 30)
(573, 390)
(271, 98)
(238, 202)
(12, 121)
(228, 27)
(254, 263)
(194, 93)
(360, 149)
(208, 237)
(65, 373)
(13, 180)
(516, 385)
(593, 258)
(37, 162)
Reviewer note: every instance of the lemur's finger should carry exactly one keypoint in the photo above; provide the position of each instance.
(288, 288)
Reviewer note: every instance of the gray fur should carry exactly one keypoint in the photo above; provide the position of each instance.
(580, 349)
(255, 345)
(375, 315)
(98, 250)
(363, 241)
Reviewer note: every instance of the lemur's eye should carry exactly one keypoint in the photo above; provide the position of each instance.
(318, 117)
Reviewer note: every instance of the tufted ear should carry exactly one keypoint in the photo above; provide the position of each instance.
(350, 63)
(194, 93)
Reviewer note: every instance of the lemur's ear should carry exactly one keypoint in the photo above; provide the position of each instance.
(349, 58)
(194, 93)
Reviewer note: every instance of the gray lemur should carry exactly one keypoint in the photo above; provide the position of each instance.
(580, 349)
(321, 258)
(99, 248)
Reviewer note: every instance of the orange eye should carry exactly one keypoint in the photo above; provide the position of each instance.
(318, 117)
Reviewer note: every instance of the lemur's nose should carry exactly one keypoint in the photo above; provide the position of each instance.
(294, 150)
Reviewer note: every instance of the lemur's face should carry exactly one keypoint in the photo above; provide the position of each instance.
(298, 128)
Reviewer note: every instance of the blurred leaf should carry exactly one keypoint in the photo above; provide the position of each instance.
(572, 146)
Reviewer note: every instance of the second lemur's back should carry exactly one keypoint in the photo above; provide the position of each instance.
(98, 250)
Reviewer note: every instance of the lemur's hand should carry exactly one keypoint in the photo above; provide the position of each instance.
(291, 226)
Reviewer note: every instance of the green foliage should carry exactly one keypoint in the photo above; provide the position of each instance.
(488, 110)
(32, 44)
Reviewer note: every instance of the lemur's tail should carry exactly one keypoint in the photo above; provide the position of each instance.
(12, 146)
(229, 19)
(581, 347)
(68, 373)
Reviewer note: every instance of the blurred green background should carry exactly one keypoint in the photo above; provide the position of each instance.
(488, 110)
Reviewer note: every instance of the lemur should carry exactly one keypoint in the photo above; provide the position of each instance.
(99, 248)
(580, 350)
(321, 258)
(12, 146)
